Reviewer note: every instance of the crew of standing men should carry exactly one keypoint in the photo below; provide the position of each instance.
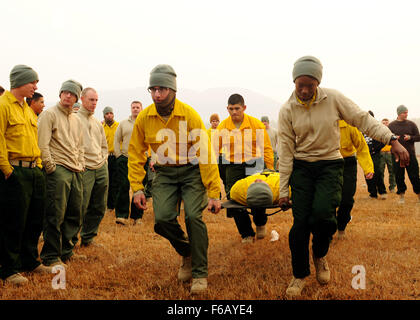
(60, 173)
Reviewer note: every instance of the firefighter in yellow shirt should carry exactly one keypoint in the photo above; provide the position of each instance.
(110, 126)
(184, 170)
(22, 183)
(352, 143)
(247, 147)
(214, 122)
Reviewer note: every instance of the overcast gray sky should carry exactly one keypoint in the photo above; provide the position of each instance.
(370, 49)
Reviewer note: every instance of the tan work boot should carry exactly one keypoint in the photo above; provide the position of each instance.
(137, 222)
(58, 263)
(185, 271)
(322, 270)
(92, 244)
(261, 232)
(199, 285)
(295, 287)
(248, 239)
(401, 201)
(17, 279)
(121, 221)
(41, 269)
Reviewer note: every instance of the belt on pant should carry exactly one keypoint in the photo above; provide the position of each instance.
(22, 163)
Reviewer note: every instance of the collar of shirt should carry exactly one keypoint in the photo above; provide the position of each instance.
(175, 112)
(66, 111)
(244, 125)
(12, 99)
(306, 104)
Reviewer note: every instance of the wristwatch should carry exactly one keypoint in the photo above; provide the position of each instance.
(393, 137)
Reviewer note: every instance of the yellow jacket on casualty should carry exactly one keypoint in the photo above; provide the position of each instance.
(239, 189)
(180, 140)
(352, 142)
(245, 143)
(18, 133)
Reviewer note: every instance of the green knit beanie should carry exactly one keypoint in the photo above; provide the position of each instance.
(107, 109)
(259, 194)
(308, 66)
(163, 75)
(401, 109)
(265, 119)
(73, 87)
(21, 75)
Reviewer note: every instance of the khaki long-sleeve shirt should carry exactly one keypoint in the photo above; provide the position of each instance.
(60, 138)
(313, 134)
(94, 139)
(122, 137)
(18, 133)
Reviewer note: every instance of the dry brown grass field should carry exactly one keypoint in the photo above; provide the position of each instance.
(137, 264)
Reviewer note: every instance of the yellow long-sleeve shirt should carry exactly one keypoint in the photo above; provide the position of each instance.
(239, 189)
(352, 142)
(109, 134)
(18, 133)
(180, 140)
(245, 143)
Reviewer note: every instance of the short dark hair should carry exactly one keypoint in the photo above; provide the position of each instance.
(1, 90)
(135, 101)
(236, 99)
(385, 119)
(34, 98)
(371, 113)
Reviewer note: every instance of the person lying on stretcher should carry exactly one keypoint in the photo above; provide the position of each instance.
(258, 192)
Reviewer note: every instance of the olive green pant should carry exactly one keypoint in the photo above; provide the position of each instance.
(95, 189)
(123, 208)
(113, 186)
(316, 193)
(386, 160)
(170, 185)
(348, 191)
(22, 208)
(63, 214)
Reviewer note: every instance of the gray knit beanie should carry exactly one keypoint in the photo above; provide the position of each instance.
(21, 75)
(163, 75)
(259, 194)
(401, 109)
(73, 87)
(107, 109)
(265, 119)
(308, 66)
